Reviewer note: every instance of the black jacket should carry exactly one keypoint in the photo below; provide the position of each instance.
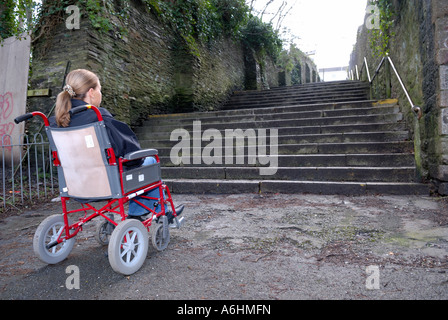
(122, 138)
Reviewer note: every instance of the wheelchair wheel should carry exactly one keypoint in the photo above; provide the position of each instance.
(47, 232)
(159, 242)
(128, 247)
(103, 231)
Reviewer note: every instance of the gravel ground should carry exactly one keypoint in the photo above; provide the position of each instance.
(253, 247)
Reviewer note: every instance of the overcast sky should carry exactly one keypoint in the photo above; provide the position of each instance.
(328, 27)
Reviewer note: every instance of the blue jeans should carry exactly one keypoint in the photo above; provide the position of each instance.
(136, 209)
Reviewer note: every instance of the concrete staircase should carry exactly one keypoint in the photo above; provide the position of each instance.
(330, 139)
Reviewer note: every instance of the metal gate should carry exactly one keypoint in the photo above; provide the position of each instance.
(30, 178)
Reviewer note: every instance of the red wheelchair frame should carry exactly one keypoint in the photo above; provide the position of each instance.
(68, 230)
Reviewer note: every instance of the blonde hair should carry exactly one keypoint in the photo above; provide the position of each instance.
(78, 83)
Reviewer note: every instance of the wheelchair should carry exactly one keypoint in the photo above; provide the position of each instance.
(90, 173)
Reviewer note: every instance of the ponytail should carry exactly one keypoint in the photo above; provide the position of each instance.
(63, 106)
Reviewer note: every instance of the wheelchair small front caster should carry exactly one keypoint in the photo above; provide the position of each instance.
(160, 234)
(104, 230)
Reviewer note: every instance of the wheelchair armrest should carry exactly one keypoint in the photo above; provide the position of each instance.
(140, 154)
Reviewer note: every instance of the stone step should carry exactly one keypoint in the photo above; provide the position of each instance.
(304, 95)
(314, 85)
(300, 160)
(307, 148)
(325, 138)
(290, 101)
(256, 138)
(267, 110)
(249, 116)
(245, 117)
(330, 143)
(299, 122)
(351, 174)
(302, 89)
(145, 134)
(209, 186)
(310, 87)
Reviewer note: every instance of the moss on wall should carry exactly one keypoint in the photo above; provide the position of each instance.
(416, 54)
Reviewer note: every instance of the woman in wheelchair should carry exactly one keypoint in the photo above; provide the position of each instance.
(83, 88)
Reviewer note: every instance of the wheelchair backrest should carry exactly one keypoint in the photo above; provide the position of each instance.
(85, 172)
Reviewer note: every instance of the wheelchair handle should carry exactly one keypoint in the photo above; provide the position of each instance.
(79, 109)
(76, 110)
(23, 117)
(28, 116)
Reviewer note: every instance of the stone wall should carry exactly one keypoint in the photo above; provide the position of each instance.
(143, 71)
(440, 23)
(215, 75)
(135, 70)
(419, 52)
(306, 72)
(299, 67)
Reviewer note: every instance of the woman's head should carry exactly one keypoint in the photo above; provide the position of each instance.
(80, 84)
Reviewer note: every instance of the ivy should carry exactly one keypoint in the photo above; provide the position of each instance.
(233, 16)
(95, 12)
(262, 37)
(6, 18)
(17, 17)
(201, 21)
(288, 59)
(204, 21)
(381, 36)
(291, 61)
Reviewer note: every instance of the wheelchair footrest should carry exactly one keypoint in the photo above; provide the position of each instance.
(178, 223)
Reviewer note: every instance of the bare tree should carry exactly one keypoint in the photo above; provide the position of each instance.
(251, 6)
(265, 7)
(277, 18)
(283, 16)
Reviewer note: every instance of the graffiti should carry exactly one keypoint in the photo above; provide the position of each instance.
(6, 126)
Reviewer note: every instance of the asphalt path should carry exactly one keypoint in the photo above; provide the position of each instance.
(251, 247)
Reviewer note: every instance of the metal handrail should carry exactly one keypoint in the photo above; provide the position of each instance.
(416, 109)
